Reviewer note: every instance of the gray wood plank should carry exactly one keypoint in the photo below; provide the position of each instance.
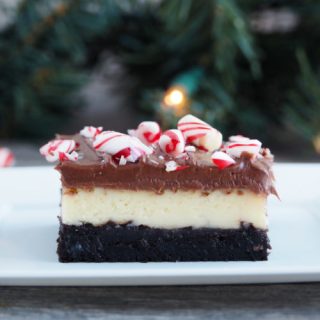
(285, 301)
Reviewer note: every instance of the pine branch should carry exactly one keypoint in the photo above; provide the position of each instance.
(303, 107)
(47, 22)
(42, 60)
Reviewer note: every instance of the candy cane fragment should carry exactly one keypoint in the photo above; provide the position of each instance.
(235, 149)
(6, 158)
(238, 138)
(222, 160)
(90, 132)
(173, 166)
(148, 132)
(199, 133)
(172, 142)
(120, 145)
(59, 149)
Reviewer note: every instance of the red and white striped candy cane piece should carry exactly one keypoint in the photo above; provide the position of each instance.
(140, 146)
(6, 158)
(52, 150)
(113, 143)
(120, 145)
(238, 138)
(148, 132)
(73, 156)
(193, 128)
(199, 133)
(90, 132)
(58, 145)
(172, 142)
(222, 160)
(237, 148)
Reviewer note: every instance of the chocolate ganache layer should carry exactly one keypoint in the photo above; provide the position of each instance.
(149, 172)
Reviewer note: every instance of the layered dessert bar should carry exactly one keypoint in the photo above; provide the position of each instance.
(178, 195)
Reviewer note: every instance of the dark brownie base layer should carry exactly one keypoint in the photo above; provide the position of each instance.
(127, 243)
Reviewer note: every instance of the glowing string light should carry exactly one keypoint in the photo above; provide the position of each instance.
(176, 98)
(316, 143)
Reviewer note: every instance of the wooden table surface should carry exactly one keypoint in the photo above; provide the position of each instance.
(284, 301)
(279, 301)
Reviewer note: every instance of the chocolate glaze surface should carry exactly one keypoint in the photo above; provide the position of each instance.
(148, 173)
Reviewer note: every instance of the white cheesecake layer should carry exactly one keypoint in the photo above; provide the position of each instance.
(168, 210)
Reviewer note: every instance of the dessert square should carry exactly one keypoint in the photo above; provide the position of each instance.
(178, 195)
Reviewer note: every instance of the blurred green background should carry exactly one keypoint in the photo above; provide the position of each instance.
(249, 67)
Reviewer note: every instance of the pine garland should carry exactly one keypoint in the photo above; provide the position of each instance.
(303, 108)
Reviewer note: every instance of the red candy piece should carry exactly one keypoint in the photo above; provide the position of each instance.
(200, 133)
(173, 166)
(222, 160)
(148, 132)
(59, 150)
(120, 145)
(6, 158)
(172, 142)
(237, 148)
(90, 132)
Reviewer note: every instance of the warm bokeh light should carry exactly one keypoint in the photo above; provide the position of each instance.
(316, 143)
(176, 99)
(173, 98)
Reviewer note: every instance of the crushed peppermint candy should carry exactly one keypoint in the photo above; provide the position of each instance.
(222, 160)
(200, 133)
(120, 145)
(238, 138)
(144, 149)
(148, 138)
(172, 142)
(90, 132)
(6, 158)
(235, 149)
(59, 149)
(73, 156)
(122, 161)
(190, 149)
(173, 166)
(148, 132)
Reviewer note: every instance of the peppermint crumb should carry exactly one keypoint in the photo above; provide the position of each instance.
(190, 149)
(171, 166)
(122, 161)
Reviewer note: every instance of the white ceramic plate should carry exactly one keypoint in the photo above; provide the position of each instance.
(29, 199)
